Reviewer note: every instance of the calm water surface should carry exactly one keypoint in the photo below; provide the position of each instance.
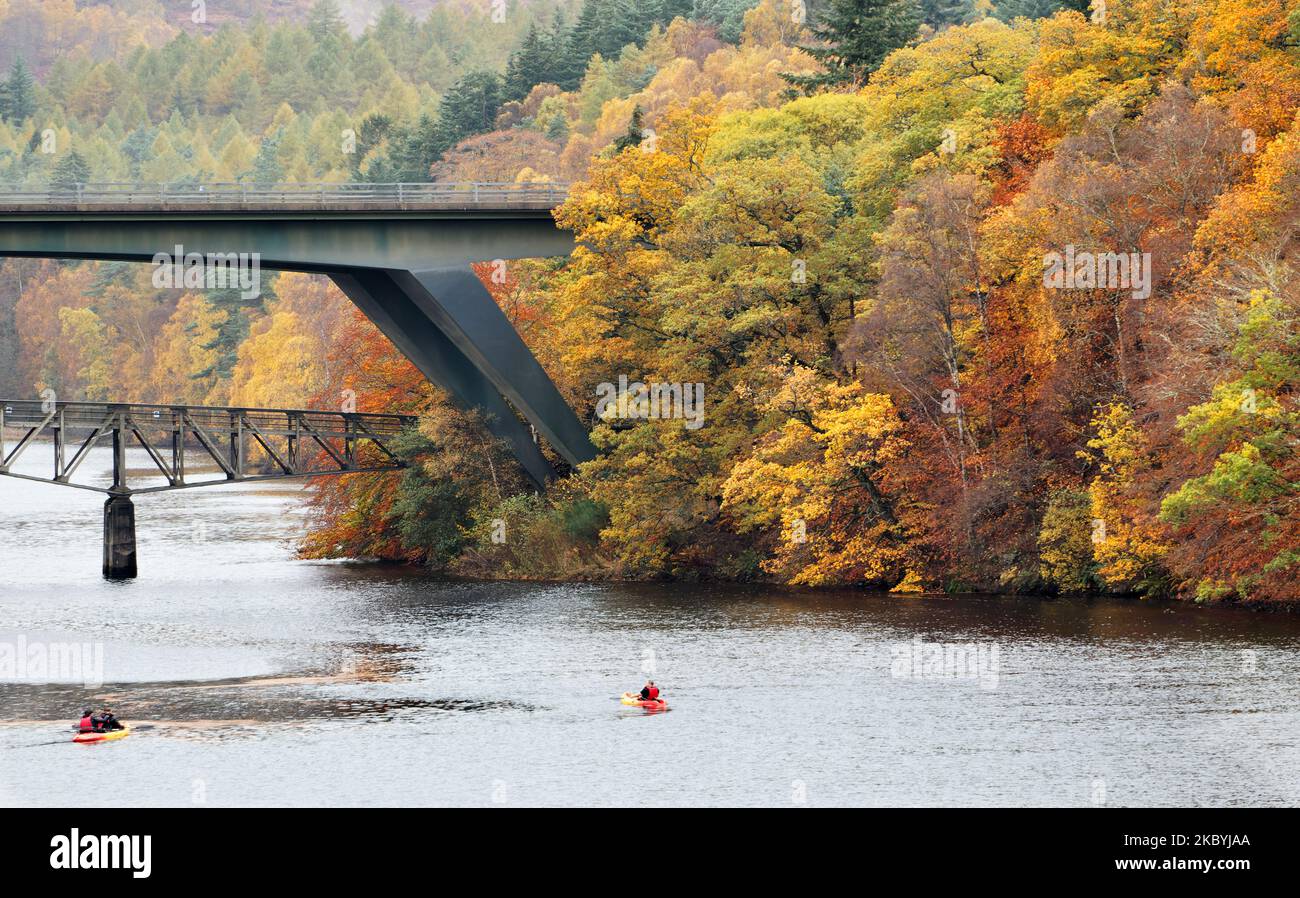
(264, 680)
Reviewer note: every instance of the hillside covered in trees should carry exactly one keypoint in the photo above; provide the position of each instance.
(847, 227)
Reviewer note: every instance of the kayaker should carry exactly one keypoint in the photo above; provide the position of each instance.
(87, 722)
(108, 722)
(649, 692)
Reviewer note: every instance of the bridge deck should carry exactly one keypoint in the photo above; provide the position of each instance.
(123, 197)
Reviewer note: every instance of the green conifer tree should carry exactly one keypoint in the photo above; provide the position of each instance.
(857, 36)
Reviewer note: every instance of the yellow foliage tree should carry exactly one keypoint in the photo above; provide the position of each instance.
(84, 333)
(285, 361)
(1128, 540)
(185, 357)
(819, 478)
(1081, 64)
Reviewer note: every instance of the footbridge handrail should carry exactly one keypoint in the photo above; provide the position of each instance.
(244, 443)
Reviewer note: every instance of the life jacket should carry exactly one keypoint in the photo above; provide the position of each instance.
(653, 693)
(86, 724)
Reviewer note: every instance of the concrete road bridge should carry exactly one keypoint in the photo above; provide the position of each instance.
(400, 252)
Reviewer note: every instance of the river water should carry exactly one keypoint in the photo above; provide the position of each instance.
(256, 679)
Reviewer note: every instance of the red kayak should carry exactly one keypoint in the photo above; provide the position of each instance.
(634, 698)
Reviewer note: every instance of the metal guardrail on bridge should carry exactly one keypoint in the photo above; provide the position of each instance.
(127, 196)
(292, 442)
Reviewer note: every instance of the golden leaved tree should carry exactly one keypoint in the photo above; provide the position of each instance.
(821, 479)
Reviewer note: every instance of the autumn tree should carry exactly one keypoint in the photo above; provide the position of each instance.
(285, 360)
(1128, 543)
(818, 486)
(931, 309)
(1239, 522)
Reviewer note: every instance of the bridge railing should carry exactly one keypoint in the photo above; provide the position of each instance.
(450, 195)
(25, 413)
(244, 443)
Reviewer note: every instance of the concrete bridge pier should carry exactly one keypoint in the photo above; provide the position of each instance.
(119, 538)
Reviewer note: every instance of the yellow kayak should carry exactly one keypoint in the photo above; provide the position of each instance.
(85, 738)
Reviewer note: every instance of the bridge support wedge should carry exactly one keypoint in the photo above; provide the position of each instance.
(397, 315)
(458, 303)
(119, 538)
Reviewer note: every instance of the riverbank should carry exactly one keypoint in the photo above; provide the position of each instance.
(480, 572)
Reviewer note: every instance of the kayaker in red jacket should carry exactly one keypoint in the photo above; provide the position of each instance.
(649, 692)
(87, 722)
